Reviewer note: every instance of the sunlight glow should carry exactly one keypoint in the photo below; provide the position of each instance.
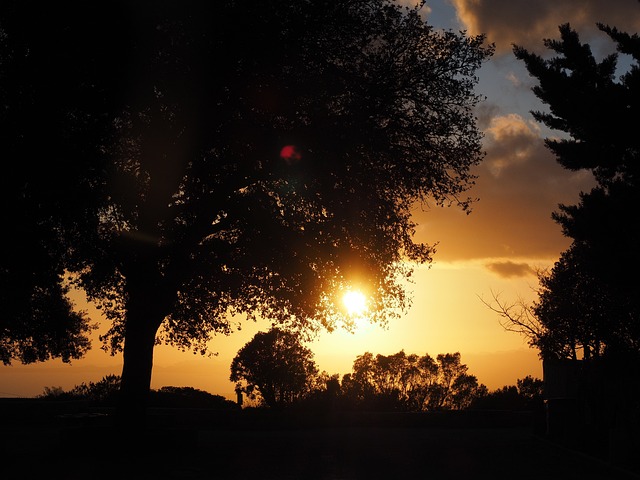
(355, 302)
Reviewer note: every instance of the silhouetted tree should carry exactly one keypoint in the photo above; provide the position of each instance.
(449, 369)
(585, 303)
(56, 93)
(325, 394)
(355, 394)
(504, 398)
(588, 308)
(377, 382)
(532, 390)
(570, 318)
(103, 391)
(463, 390)
(410, 382)
(226, 158)
(275, 367)
(527, 394)
(189, 397)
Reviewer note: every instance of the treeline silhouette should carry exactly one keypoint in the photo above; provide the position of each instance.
(526, 395)
(276, 370)
(411, 383)
(105, 393)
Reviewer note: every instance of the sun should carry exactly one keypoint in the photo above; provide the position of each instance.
(355, 302)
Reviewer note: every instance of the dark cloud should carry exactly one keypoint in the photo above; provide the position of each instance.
(485, 112)
(510, 269)
(526, 23)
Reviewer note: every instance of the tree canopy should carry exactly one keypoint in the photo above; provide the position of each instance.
(55, 94)
(587, 305)
(190, 163)
(275, 367)
(410, 382)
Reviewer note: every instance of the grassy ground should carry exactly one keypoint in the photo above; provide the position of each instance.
(200, 444)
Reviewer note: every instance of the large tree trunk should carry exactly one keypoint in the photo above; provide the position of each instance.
(143, 321)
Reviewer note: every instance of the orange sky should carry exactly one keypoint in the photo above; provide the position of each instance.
(494, 249)
(447, 315)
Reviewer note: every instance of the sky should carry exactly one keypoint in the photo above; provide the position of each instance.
(495, 250)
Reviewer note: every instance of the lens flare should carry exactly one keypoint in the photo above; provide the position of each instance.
(290, 154)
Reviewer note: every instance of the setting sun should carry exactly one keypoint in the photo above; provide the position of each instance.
(355, 302)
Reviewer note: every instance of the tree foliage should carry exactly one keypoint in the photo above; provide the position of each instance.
(275, 367)
(46, 101)
(570, 319)
(410, 382)
(189, 397)
(152, 167)
(587, 307)
(105, 393)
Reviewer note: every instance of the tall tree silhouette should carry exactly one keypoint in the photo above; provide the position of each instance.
(241, 158)
(586, 304)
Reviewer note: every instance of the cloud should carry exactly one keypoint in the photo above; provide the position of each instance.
(518, 164)
(526, 23)
(511, 125)
(511, 140)
(514, 80)
(519, 185)
(485, 112)
(509, 269)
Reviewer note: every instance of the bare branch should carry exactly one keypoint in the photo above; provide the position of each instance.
(517, 316)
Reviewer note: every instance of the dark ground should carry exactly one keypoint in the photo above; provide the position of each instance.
(41, 443)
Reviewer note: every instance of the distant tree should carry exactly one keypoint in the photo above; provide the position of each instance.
(325, 394)
(224, 158)
(426, 383)
(53, 393)
(527, 394)
(379, 382)
(504, 398)
(326, 384)
(355, 394)
(410, 382)
(449, 369)
(463, 390)
(106, 390)
(189, 397)
(103, 391)
(454, 387)
(275, 367)
(361, 383)
(531, 389)
(333, 389)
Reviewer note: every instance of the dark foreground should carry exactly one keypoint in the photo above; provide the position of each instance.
(244, 445)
